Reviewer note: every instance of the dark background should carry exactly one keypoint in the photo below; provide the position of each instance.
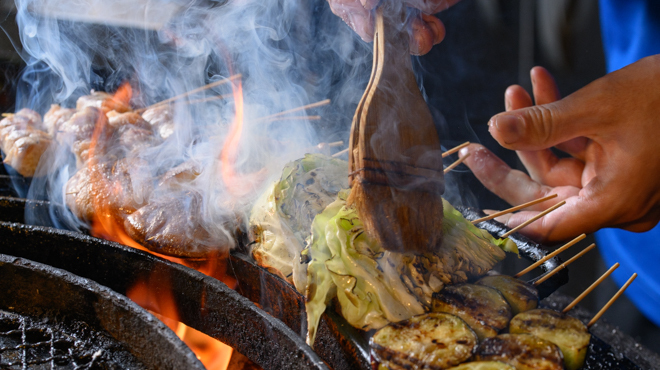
(490, 45)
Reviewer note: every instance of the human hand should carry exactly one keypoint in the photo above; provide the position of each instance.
(425, 29)
(611, 129)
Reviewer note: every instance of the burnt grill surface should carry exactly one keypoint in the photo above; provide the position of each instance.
(50, 318)
(27, 342)
(203, 303)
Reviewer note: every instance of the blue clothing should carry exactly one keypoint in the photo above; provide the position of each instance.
(631, 31)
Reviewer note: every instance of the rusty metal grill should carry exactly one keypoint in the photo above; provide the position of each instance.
(29, 343)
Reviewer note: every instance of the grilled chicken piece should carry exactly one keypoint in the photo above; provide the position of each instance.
(520, 295)
(117, 120)
(23, 141)
(482, 307)
(103, 189)
(78, 132)
(567, 332)
(428, 341)
(181, 175)
(103, 101)
(161, 120)
(55, 118)
(173, 225)
(522, 351)
(483, 365)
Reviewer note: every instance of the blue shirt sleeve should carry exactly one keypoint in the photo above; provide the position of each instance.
(631, 31)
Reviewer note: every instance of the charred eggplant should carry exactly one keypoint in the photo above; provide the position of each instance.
(520, 295)
(428, 341)
(567, 332)
(522, 351)
(482, 307)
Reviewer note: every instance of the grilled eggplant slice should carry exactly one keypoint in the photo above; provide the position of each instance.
(522, 351)
(428, 341)
(520, 295)
(483, 365)
(567, 332)
(482, 307)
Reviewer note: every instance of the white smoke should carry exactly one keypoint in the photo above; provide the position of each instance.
(289, 53)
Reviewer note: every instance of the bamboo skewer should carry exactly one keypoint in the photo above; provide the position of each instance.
(544, 259)
(212, 98)
(194, 91)
(455, 149)
(336, 143)
(590, 288)
(453, 165)
(513, 209)
(7, 115)
(563, 265)
(611, 301)
(340, 153)
(304, 107)
(292, 118)
(515, 229)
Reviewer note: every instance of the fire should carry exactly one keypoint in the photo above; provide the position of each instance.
(238, 184)
(154, 293)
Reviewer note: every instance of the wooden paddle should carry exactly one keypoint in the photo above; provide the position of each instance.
(395, 160)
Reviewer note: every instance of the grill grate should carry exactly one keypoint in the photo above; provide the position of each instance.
(28, 343)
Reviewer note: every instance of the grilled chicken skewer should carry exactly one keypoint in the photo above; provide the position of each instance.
(24, 141)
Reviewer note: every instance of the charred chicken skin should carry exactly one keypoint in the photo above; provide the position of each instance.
(23, 141)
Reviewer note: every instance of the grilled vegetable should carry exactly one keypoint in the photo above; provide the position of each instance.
(482, 307)
(567, 332)
(483, 365)
(522, 351)
(281, 219)
(520, 295)
(428, 341)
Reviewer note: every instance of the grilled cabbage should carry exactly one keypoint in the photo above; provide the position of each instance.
(282, 217)
(374, 286)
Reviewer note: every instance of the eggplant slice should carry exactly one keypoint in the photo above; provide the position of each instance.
(428, 341)
(567, 332)
(482, 307)
(522, 351)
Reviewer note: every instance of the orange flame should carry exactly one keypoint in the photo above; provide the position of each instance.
(154, 293)
(238, 184)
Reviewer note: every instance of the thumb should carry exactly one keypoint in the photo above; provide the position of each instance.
(539, 127)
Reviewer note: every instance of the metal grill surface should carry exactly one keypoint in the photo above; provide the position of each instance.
(30, 343)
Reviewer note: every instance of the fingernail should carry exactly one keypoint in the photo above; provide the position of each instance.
(463, 152)
(510, 127)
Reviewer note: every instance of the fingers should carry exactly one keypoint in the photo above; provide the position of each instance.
(544, 87)
(544, 126)
(515, 97)
(513, 186)
(356, 16)
(542, 165)
(427, 30)
(431, 6)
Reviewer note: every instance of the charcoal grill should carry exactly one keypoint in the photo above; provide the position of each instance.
(209, 306)
(52, 319)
